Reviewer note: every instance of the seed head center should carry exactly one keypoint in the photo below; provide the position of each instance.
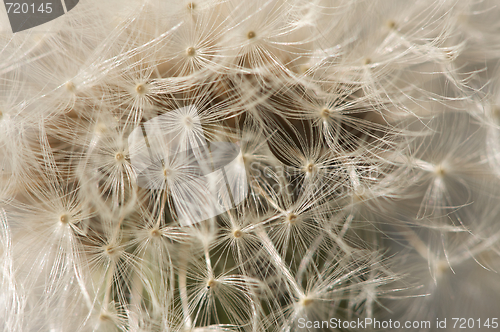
(64, 218)
(291, 218)
(188, 121)
(391, 25)
(237, 233)
(306, 301)
(166, 172)
(111, 250)
(140, 89)
(440, 171)
(119, 156)
(190, 51)
(70, 86)
(211, 283)
(309, 168)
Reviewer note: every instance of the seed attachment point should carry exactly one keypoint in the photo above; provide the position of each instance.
(306, 302)
(440, 171)
(119, 156)
(140, 89)
(291, 218)
(155, 232)
(64, 219)
(70, 86)
(191, 51)
(211, 283)
(392, 25)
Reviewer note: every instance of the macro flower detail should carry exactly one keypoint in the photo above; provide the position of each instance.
(267, 165)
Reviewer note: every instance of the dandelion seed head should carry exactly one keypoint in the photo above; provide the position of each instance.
(191, 51)
(325, 113)
(440, 170)
(391, 25)
(310, 168)
(168, 172)
(119, 156)
(291, 218)
(242, 159)
(100, 127)
(65, 218)
(306, 301)
(237, 233)
(141, 89)
(358, 196)
(211, 283)
(112, 250)
(347, 116)
(70, 87)
(155, 233)
(188, 122)
(495, 113)
(105, 317)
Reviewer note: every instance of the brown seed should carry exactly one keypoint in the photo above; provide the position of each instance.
(251, 35)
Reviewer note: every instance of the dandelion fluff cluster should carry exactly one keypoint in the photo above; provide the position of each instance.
(370, 152)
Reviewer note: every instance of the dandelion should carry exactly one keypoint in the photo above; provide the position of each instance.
(211, 165)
